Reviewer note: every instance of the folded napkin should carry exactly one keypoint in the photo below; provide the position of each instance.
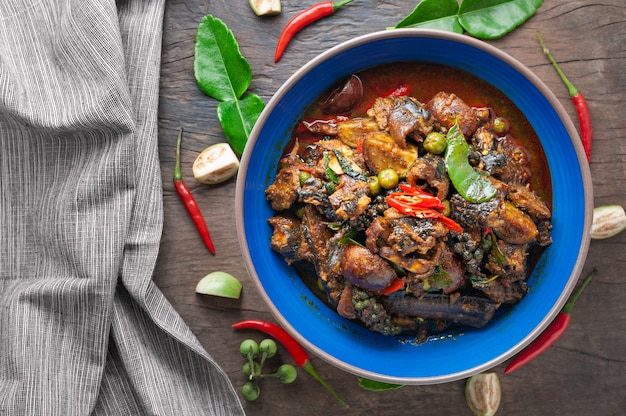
(83, 328)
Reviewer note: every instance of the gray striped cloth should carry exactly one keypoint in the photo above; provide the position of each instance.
(83, 329)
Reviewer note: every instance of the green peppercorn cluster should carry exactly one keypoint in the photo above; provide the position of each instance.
(373, 313)
(256, 355)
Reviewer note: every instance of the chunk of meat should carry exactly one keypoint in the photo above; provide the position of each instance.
(515, 170)
(471, 215)
(411, 243)
(365, 269)
(415, 265)
(325, 251)
(401, 116)
(380, 151)
(283, 192)
(404, 235)
(345, 306)
(319, 236)
(449, 109)
(509, 264)
(350, 199)
(508, 260)
(352, 130)
(287, 238)
(512, 225)
(523, 197)
(428, 174)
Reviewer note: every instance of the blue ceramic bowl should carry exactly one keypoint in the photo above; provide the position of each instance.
(455, 355)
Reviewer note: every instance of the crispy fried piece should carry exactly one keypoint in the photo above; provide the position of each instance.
(449, 109)
(380, 151)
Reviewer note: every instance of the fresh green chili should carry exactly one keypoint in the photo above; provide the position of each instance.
(468, 182)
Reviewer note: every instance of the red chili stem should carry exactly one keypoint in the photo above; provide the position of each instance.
(303, 19)
(550, 335)
(189, 201)
(580, 103)
(293, 347)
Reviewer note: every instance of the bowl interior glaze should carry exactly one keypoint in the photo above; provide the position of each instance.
(457, 354)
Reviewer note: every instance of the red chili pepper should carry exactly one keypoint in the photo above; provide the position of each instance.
(550, 335)
(189, 201)
(413, 198)
(417, 203)
(303, 19)
(400, 91)
(393, 287)
(359, 145)
(297, 352)
(580, 104)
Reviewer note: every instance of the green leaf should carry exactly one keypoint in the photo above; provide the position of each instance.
(237, 118)
(434, 14)
(490, 19)
(483, 19)
(373, 385)
(219, 68)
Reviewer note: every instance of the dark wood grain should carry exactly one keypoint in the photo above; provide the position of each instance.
(583, 374)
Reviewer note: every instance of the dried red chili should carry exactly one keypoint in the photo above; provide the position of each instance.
(550, 335)
(303, 19)
(417, 203)
(297, 352)
(189, 201)
(580, 103)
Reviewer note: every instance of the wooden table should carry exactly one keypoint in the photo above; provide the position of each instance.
(583, 374)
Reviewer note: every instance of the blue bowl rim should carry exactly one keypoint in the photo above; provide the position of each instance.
(567, 124)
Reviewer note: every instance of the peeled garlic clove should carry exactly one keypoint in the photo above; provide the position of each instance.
(482, 393)
(608, 220)
(215, 164)
(220, 284)
(265, 7)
